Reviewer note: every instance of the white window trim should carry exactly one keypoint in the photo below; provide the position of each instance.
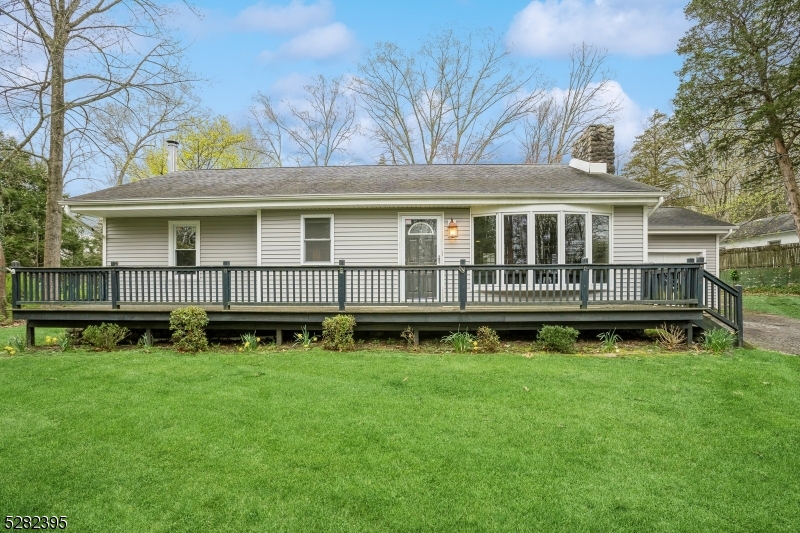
(180, 223)
(303, 239)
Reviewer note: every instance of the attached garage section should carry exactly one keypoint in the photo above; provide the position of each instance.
(676, 234)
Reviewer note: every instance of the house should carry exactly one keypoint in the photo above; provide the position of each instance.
(774, 230)
(433, 246)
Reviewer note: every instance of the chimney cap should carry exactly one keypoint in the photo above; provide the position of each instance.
(172, 141)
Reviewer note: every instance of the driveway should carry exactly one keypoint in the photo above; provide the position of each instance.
(772, 332)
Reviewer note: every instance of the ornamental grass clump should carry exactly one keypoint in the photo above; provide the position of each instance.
(558, 339)
(461, 341)
(337, 333)
(188, 329)
(718, 341)
(105, 336)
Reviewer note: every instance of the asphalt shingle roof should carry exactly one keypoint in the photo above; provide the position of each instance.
(374, 179)
(764, 226)
(675, 217)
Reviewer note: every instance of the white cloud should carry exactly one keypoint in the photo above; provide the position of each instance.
(327, 42)
(292, 18)
(636, 28)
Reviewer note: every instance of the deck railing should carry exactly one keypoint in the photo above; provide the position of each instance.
(348, 285)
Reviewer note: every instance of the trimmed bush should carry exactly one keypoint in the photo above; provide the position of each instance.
(188, 325)
(105, 336)
(488, 340)
(337, 332)
(557, 339)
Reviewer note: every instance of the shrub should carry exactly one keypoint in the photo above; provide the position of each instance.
(488, 340)
(408, 335)
(718, 340)
(670, 337)
(105, 336)
(557, 339)
(461, 341)
(188, 328)
(337, 332)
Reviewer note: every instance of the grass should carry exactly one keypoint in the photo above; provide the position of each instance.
(773, 304)
(296, 440)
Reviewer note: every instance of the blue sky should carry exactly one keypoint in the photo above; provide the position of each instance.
(275, 46)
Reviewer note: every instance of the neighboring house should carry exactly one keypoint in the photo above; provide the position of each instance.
(774, 230)
(676, 234)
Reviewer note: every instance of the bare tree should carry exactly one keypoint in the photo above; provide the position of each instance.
(125, 130)
(552, 128)
(3, 310)
(62, 60)
(452, 101)
(320, 127)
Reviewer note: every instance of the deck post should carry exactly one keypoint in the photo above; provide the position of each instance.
(30, 335)
(415, 332)
(148, 335)
(739, 315)
(114, 274)
(585, 283)
(699, 261)
(462, 284)
(226, 285)
(690, 335)
(15, 303)
(278, 337)
(342, 285)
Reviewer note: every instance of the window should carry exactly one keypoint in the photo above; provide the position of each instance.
(317, 239)
(184, 243)
(546, 239)
(574, 238)
(515, 246)
(600, 239)
(484, 246)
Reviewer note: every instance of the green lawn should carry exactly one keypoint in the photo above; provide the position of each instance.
(390, 441)
(773, 304)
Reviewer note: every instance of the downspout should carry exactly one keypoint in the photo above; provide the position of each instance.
(81, 222)
(660, 201)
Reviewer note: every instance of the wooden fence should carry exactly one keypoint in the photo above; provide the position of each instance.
(785, 255)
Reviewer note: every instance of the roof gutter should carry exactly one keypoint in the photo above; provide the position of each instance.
(660, 201)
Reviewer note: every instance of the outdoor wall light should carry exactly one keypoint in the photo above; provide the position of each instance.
(452, 229)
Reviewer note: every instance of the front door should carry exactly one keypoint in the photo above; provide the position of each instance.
(421, 249)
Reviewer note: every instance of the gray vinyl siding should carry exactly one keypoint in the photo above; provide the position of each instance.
(228, 239)
(628, 234)
(681, 242)
(137, 241)
(457, 249)
(145, 241)
(360, 236)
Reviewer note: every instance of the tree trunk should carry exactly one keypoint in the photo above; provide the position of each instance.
(787, 171)
(3, 313)
(55, 163)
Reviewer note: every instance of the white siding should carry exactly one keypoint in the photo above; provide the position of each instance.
(457, 249)
(366, 236)
(137, 241)
(145, 241)
(688, 243)
(360, 236)
(228, 239)
(280, 238)
(628, 234)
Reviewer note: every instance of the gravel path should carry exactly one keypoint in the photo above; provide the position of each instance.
(772, 332)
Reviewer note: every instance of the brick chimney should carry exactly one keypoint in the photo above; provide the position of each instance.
(596, 145)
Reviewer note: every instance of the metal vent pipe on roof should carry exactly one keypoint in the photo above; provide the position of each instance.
(172, 155)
